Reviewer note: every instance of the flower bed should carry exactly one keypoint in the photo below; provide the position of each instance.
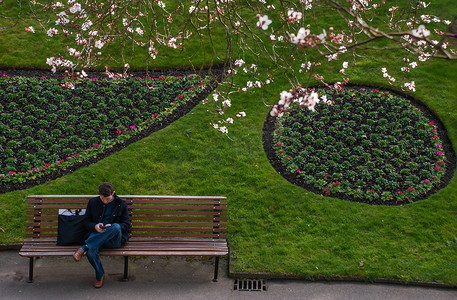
(47, 125)
(368, 145)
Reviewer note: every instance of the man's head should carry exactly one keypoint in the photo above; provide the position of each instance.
(106, 189)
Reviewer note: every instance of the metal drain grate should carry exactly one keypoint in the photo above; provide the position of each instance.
(250, 285)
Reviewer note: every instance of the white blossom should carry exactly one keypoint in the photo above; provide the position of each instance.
(410, 86)
(52, 32)
(227, 103)
(239, 62)
(223, 129)
(161, 4)
(342, 49)
(420, 32)
(300, 37)
(86, 25)
(75, 8)
(139, 31)
(263, 22)
(99, 44)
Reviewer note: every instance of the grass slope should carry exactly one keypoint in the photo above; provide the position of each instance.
(274, 226)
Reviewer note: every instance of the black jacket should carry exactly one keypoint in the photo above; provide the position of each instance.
(96, 209)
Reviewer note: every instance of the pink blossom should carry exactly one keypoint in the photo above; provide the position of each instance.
(96, 145)
(439, 153)
(399, 192)
(118, 131)
(439, 145)
(162, 77)
(279, 144)
(180, 96)
(47, 165)
(433, 130)
(298, 171)
(34, 170)
(426, 180)
(287, 157)
(177, 77)
(372, 190)
(43, 77)
(441, 162)
(4, 75)
(76, 154)
(149, 119)
(148, 77)
(435, 136)
(94, 79)
(431, 123)
(139, 78)
(132, 127)
(155, 115)
(42, 169)
(191, 89)
(11, 173)
(19, 173)
(437, 168)
(410, 189)
(67, 158)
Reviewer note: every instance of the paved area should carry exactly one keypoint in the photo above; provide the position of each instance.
(175, 278)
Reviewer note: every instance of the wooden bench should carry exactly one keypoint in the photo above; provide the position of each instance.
(161, 226)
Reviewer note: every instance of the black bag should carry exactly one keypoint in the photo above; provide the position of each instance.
(71, 230)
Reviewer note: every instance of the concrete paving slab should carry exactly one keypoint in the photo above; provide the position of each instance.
(175, 278)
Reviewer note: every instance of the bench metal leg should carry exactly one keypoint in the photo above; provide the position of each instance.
(216, 268)
(30, 270)
(126, 268)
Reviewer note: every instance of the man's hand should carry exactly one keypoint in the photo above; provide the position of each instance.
(100, 227)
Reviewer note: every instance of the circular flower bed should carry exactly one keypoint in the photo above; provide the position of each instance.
(367, 145)
(49, 125)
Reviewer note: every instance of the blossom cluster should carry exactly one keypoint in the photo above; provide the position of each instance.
(280, 35)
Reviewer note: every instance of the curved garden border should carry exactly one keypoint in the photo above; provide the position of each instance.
(291, 177)
(181, 111)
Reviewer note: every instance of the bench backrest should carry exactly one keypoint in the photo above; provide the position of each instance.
(151, 216)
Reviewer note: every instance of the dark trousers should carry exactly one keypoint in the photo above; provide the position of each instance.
(110, 238)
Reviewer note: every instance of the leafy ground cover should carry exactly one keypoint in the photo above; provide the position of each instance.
(50, 125)
(366, 145)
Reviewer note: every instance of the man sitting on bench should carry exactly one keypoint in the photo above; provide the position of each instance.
(107, 220)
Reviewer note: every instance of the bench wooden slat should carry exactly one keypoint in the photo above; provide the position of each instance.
(161, 226)
(136, 202)
(55, 212)
(177, 234)
(126, 197)
(184, 224)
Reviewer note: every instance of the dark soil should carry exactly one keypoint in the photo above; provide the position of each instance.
(269, 126)
(178, 113)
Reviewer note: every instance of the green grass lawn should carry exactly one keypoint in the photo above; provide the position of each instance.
(276, 227)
